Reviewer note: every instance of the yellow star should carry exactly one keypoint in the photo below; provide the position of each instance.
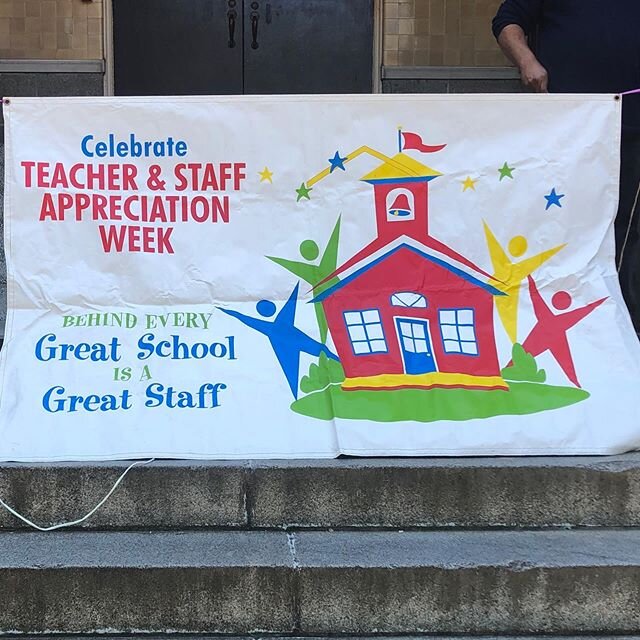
(266, 175)
(469, 183)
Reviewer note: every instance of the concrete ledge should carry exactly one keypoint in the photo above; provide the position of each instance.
(438, 493)
(134, 582)
(162, 495)
(51, 66)
(469, 583)
(450, 73)
(556, 582)
(347, 493)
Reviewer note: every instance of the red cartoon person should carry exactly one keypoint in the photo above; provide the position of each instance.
(550, 332)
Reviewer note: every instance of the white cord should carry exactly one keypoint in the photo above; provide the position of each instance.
(626, 237)
(71, 524)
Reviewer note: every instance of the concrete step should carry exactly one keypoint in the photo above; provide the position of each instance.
(321, 583)
(344, 493)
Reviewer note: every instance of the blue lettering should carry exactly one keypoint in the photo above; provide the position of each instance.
(58, 404)
(83, 146)
(101, 149)
(50, 351)
(155, 399)
(146, 344)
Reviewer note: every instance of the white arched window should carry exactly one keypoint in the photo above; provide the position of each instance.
(408, 299)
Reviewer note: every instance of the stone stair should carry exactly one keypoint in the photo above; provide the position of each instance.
(376, 547)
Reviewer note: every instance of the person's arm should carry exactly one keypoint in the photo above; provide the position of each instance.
(513, 22)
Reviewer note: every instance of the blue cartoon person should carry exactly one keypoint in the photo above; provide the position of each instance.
(287, 341)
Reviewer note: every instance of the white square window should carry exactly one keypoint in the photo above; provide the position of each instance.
(371, 316)
(452, 346)
(353, 317)
(470, 347)
(361, 347)
(421, 346)
(405, 329)
(378, 346)
(465, 316)
(356, 332)
(449, 332)
(365, 331)
(447, 316)
(467, 333)
(408, 345)
(374, 331)
(418, 331)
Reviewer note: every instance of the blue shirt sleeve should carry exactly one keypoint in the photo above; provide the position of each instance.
(524, 13)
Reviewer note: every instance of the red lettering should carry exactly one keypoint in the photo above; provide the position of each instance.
(59, 177)
(225, 174)
(129, 173)
(220, 209)
(134, 239)
(73, 176)
(100, 207)
(164, 240)
(65, 203)
(42, 172)
(209, 178)
(82, 203)
(48, 209)
(112, 237)
(147, 239)
(181, 184)
(238, 175)
(28, 167)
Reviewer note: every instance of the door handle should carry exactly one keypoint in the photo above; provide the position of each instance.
(231, 17)
(255, 16)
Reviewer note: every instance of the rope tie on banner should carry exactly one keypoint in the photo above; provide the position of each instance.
(86, 517)
(632, 215)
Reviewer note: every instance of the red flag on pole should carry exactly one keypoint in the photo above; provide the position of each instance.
(414, 141)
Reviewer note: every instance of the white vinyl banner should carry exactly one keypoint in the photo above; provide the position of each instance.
(280, 277)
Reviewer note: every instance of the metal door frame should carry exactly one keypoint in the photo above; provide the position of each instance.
(109, 81)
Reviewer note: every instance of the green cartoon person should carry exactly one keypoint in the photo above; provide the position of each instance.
(315, 273)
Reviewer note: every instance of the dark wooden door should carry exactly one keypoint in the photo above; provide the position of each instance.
(191, 47)
(177, 47)
(308, 46)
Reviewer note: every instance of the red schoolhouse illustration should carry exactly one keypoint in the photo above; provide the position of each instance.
(412, 321)
(408, 310)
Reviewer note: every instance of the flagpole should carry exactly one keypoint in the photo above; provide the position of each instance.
(400, 139)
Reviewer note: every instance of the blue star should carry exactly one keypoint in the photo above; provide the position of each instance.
(337, 162)
(287, 341)
(554, 198)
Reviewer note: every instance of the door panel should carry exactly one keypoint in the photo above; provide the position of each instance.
(308, 46)
(176, 47)
(415, 342)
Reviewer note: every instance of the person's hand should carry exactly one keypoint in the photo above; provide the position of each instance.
(534, 76)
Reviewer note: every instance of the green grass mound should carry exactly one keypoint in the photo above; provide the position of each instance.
(435, 404)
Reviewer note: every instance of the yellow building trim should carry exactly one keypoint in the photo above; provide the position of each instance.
(436, 379)
(399, 167)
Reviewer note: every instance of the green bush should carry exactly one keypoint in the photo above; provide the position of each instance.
(322, 374)
(523, 367)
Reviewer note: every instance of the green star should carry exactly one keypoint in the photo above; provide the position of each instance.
(506, 171)
(303, 192)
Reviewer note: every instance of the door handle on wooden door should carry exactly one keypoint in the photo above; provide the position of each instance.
(232, 14)
(255, 17)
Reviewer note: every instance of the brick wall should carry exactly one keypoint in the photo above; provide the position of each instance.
(440, 33)
(51, 29)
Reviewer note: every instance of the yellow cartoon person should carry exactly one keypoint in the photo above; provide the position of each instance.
(509, 275)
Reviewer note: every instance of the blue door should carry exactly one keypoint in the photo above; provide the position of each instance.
(416, 345)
